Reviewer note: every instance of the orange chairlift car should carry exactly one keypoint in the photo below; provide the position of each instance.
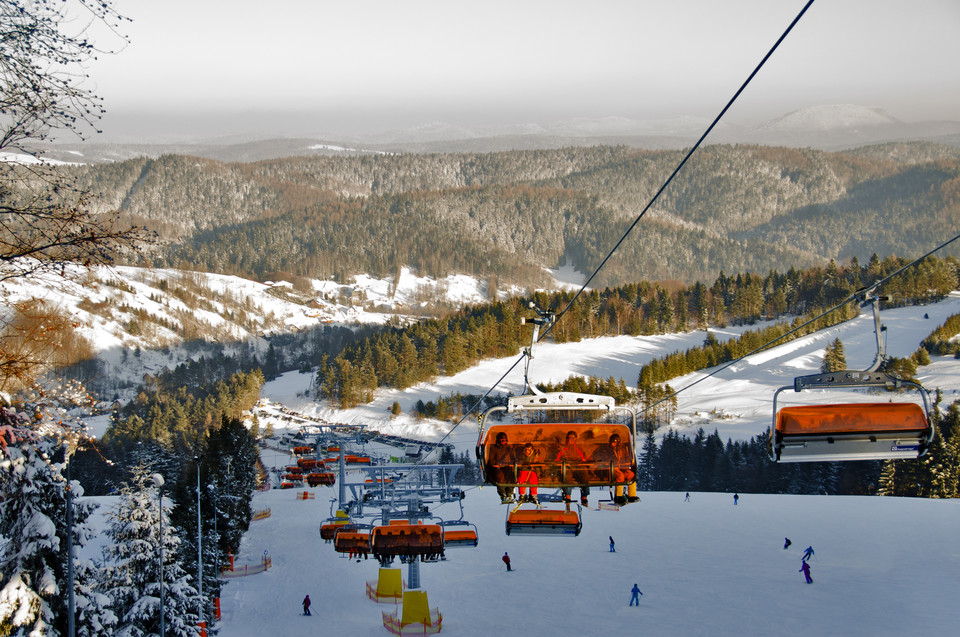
(309, 464)
(852, 431)
(557, 440)
(352, 539)
(405, 539)
(459, 532)
(317, 478)
(330, 526)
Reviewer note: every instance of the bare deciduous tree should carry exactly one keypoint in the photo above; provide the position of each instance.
(45, 218)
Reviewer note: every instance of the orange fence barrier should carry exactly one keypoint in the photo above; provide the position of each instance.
(262, 514)
(246, 569)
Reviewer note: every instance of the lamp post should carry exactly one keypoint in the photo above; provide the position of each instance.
(71, 607)
(216, 554)
(199, 551)
(158, 482)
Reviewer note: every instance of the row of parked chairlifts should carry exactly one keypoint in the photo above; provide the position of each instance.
(316, 471)
(404, 539)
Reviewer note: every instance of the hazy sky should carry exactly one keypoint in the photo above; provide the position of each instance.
(364, 66)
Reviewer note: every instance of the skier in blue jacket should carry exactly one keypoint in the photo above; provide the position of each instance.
(635, 595)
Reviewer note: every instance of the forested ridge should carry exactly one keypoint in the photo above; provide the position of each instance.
(510, 214)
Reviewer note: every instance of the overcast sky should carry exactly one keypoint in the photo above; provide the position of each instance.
(365, 66)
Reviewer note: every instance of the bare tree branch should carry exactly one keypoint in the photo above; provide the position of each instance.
(45, 217)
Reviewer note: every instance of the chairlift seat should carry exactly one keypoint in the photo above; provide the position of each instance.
(543, 522)
(850, 431)
(353, 541)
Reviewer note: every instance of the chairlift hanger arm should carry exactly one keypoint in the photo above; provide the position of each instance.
(868, 296)
(543, 319)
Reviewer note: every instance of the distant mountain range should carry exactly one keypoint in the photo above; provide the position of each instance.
(829, 127)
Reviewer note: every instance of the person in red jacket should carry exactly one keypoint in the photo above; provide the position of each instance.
(506, 560)
(306, 605)
(571, 454)
(528, 475)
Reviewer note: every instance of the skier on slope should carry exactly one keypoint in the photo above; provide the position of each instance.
(306, 605)
(635, 595)
(506, 560)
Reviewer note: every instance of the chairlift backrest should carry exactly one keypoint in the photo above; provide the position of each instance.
(566, 453)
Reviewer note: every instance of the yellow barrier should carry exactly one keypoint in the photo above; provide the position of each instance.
(417, 617)
(387, 588)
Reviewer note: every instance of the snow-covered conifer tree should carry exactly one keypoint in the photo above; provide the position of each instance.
(132, 573)
(33, 528)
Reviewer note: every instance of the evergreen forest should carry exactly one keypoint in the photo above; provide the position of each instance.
(508, 215)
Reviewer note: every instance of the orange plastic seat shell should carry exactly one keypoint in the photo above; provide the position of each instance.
(347, 541)
(546, 517)
(851, 418)
(402, 538)
(459, 536)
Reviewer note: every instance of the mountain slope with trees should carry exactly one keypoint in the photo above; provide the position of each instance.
(510, 214)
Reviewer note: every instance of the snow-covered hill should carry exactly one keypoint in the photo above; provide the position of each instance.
(166, 316)
(831, 117)
(737, 401)
(125, 310)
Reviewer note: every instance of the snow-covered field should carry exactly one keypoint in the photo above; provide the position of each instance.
(882, 566)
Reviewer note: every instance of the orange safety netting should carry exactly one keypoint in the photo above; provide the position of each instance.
(246, 569)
